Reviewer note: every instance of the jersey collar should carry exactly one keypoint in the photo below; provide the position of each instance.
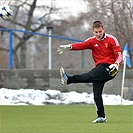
(103, 37)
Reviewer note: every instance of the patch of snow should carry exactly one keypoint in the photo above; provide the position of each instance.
(40, 97)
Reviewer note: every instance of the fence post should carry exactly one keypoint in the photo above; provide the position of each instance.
(82, 59)
(10, 49)
(49, 29)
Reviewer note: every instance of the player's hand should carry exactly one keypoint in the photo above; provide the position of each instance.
(63, 48)
(113, 69)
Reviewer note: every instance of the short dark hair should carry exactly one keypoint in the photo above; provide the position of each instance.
(97, 24)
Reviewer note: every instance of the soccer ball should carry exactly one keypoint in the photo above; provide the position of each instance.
(6, 12)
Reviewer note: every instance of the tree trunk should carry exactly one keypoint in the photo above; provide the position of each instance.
(23, 57)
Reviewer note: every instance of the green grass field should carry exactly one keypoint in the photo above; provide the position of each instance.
(64, 119)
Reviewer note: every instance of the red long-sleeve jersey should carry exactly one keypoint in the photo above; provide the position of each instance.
(107, 50)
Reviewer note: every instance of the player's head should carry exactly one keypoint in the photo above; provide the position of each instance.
(97, 24)
(98, 29)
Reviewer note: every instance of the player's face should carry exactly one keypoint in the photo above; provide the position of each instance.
(98, 32)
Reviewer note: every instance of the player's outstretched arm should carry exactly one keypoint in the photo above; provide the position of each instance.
(63, 48)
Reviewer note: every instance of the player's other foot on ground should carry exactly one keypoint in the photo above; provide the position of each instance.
(100, 120)
(63, 76)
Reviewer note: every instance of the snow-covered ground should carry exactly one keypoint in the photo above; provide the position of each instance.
(40, 97)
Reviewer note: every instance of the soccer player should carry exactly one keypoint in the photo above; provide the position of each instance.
(107, 56)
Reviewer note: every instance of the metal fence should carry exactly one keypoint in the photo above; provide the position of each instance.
(40, 51)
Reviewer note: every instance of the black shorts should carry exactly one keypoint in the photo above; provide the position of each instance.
(97, 74)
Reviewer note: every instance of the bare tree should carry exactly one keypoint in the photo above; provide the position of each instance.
(30, 17)
(116, 14)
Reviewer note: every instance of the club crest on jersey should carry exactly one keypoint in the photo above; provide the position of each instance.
(106, 45)
(96, 45)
